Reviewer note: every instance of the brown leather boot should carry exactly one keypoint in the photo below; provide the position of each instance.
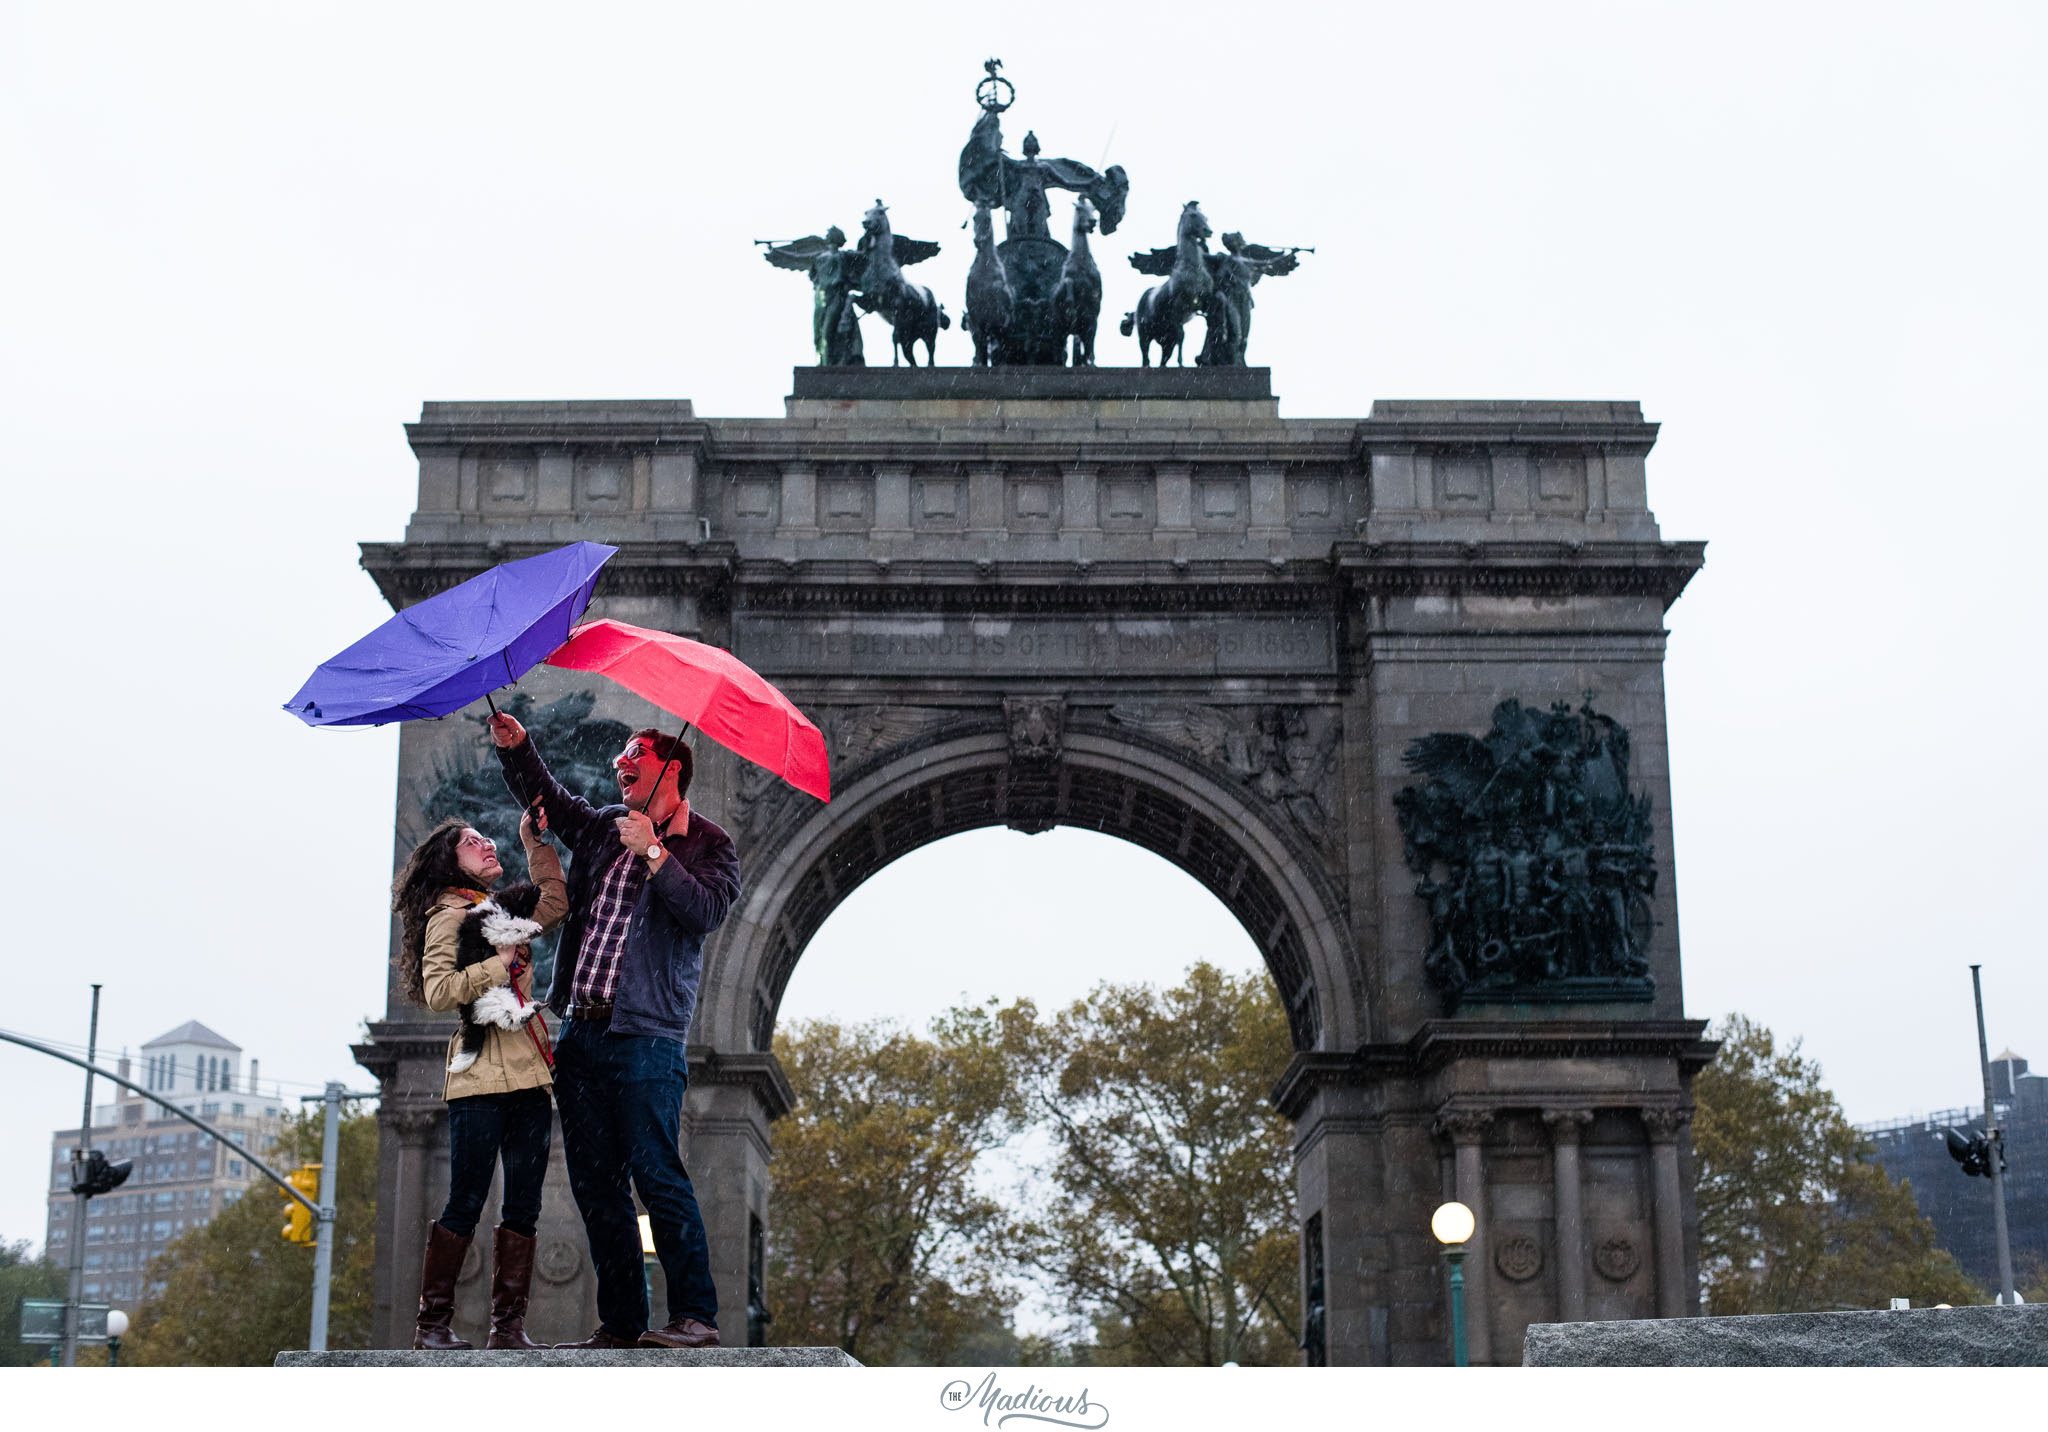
(437, 1292)
(511, 1274)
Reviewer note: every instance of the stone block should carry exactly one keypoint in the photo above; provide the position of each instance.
(566, 1357)
(1917, 1337)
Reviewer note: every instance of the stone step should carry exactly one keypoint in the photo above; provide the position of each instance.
(1916, 1337)
(578, 1357)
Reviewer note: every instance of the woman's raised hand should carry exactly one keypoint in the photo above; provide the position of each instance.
(533, 826)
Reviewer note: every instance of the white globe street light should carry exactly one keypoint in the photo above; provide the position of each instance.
(1453, 1224)
(117, 1328)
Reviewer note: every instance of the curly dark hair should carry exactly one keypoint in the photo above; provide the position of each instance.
(667, 748)
(430, 869)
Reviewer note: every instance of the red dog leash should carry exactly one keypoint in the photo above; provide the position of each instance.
(546, 1053)
(543, 1049)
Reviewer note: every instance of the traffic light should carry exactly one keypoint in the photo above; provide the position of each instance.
(96, 1176)
(1974, 1152)
(298, 1227)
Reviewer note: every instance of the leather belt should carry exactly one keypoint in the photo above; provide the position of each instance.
(591, 1009)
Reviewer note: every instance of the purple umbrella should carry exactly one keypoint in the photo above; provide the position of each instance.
(441, 654)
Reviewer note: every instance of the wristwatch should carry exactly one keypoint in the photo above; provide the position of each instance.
(655, 854)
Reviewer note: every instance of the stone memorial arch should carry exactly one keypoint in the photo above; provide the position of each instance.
(1390, 687)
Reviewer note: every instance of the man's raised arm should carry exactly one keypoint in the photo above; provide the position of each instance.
(527, 776)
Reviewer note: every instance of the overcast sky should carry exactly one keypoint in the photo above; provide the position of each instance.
(242, 245)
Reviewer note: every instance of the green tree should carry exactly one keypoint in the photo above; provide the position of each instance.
(876, 1216)
(235, 1293)
(1794, 1216)
(24, 1277)
(1169, 1225)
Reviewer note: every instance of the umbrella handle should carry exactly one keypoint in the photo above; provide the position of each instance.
(661, 830)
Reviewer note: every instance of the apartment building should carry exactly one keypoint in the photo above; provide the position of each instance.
(182, 1178)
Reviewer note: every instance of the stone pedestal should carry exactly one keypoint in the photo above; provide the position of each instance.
(559, 1357)
(1915, 1337)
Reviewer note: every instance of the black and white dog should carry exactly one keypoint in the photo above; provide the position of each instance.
(499, 925)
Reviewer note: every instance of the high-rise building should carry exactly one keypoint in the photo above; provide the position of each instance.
(182, 1178)
(1958, 1206)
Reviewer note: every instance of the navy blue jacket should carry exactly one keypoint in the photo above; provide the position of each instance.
(679, 904)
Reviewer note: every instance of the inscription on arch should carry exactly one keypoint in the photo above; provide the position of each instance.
(1290, 645)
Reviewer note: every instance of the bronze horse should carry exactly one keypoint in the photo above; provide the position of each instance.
(991, 308)
(1163, 312)
(1077, 301)
(912, 312)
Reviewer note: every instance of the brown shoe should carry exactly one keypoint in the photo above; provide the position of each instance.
(598, 1340)
(683, 1332)
(511, 1275)
(438, 1273)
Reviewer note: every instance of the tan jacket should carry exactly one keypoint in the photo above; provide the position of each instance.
(509, 1059)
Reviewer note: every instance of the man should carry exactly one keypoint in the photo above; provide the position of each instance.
(647, 882)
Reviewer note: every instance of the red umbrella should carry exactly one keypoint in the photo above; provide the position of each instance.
(711, 689)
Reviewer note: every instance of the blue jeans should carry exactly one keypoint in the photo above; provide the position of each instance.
(482, 1130)
(621, 1098)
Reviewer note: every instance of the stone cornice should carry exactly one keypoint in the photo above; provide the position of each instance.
(1521, 568)
(909, 385)
(1305, 443)
(1040, 588)
(547, 424)
(757, 1071)
(407, 572)
(1440, 1042)
(1614, 426)
(393, 1041)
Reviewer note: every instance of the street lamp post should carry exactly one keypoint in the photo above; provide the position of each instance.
(1995, 1153)
(1453, 1224)
(117, 1328)
(80, 1199)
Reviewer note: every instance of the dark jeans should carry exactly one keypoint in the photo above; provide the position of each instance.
(621, 1098)
(482, 1129)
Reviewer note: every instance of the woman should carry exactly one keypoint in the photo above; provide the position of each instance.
(499, 1108)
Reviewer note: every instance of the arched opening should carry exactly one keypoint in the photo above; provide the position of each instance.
(1270, 881)
(993, 913)
(988, 917)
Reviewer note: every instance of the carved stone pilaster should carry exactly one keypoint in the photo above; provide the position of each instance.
(1668, 1208)
(1080, 516)
(892, 500)
(1567, 1188)
(413, 1126)
(1463, 1126)
(756, 1071)
(1269, 502)
(1567, 1124)
(799, 501)
(1663, 1125)
(1466, 1129)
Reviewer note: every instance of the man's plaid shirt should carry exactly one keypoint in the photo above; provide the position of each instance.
(604, 938)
